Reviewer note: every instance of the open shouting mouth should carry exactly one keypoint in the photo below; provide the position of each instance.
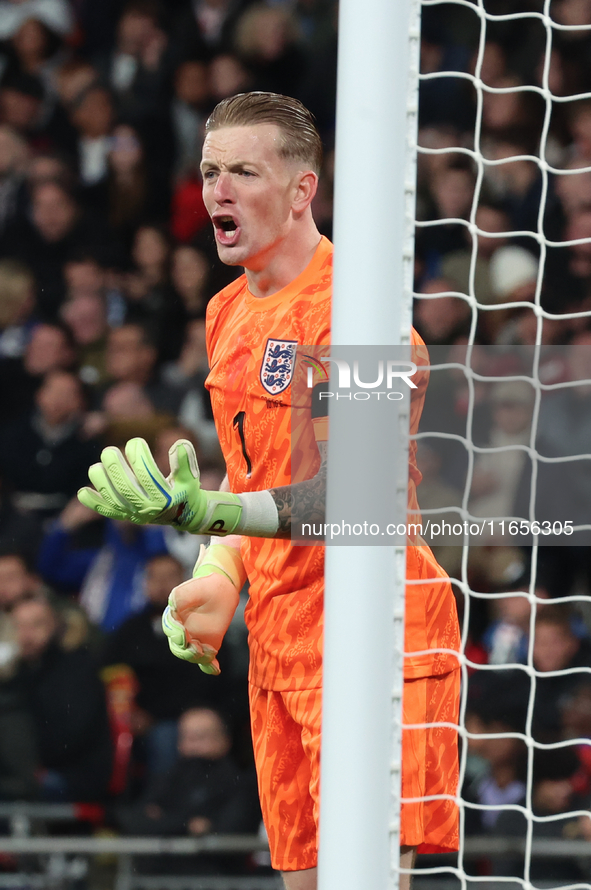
(227, 230)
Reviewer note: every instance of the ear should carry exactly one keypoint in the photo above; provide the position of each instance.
(305, 185)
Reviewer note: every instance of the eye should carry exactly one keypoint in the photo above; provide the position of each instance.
(208, 175)
(246, 173)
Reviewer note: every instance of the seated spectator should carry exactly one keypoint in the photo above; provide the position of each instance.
(190, 274)
(135, 67)
(452, 193)
(227, 76)
(557, 647)
(167, 686)
(506, 640)
(151, 300)
(131, 358)
(67, 702)
(497, 474)
(14, 154)
(266, 42)
(57, 229)
(128, 412)
(456, 265)
(49, 348)
(86, 319)
(553, 795)
(51, 458)
(17, 301)
(189, 110)
(109, 575)
(203, 793)
(184, 380)
(444, 319)
(496, 704)
(575, 710)
(92, 115)
(136, 190)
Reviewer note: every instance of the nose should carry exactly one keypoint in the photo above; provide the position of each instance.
(223, 191)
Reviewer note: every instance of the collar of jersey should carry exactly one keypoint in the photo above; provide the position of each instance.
(262, 304)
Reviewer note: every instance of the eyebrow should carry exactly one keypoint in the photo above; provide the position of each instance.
(236, 165)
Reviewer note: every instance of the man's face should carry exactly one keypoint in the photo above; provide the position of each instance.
(35, 624)
(248, 189)
(15, 580)
(162, 574)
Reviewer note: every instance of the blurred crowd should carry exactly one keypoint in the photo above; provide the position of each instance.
(106, 267)
(513, 262)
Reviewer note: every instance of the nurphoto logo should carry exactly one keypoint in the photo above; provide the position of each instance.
(387, 372)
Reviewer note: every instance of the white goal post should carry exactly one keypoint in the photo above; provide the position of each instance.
(364, 599)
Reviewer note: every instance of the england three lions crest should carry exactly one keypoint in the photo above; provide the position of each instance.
(278, 365)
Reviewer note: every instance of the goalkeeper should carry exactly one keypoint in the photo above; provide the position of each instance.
(260, 166)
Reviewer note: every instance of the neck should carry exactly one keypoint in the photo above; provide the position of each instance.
(287, 262)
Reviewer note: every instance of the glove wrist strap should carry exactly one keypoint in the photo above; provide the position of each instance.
(222, 514)
(223, 560)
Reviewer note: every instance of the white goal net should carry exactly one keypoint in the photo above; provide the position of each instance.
(503, 300)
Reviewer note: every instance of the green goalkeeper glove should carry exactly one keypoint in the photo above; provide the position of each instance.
(206, 608)
(137, 491)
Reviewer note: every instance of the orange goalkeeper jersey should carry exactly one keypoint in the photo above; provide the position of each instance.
(252, 343)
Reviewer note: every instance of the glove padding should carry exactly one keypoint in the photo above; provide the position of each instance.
(195, 652)
(135, 490)
(208, 607)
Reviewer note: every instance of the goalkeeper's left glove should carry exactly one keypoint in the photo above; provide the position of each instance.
(138, 491)
(205, 609)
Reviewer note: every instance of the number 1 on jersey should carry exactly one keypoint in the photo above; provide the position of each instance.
(238, 423)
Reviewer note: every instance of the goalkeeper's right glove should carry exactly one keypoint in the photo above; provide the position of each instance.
(205, 608)
(135, 489)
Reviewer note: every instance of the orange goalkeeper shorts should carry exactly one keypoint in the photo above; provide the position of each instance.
(286, 739)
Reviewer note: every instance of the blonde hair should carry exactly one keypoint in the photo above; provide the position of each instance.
(301, 141)
(17, 285)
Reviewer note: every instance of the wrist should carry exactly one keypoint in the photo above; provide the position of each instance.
(222, 560)
(259, 517)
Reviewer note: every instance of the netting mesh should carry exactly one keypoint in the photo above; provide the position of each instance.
(504, 275)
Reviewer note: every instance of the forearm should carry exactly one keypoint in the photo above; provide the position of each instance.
(280, 512)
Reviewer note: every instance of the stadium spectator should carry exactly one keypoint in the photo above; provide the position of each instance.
(92, 115)
(86, 319)
(456, 265)
(553, 796)
(166, 686)
(14, 154)
(189, 273)
(445, 319)
(266, 42)
(204, 792)
(188, 111)
(185, 379)
(110, 574)
(17, 301)
(67, 701)
(559, 645)
(497, 704)
(134, 66)
(131, 358)
(49, 348)
(52, 456)
(57, 229)
(497, 474)
(136, 189)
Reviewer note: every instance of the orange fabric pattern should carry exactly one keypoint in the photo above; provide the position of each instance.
(286, 738)
(430, 763)
(251, 347)
(286, 735)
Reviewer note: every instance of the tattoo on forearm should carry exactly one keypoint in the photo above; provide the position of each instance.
(302, 502)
